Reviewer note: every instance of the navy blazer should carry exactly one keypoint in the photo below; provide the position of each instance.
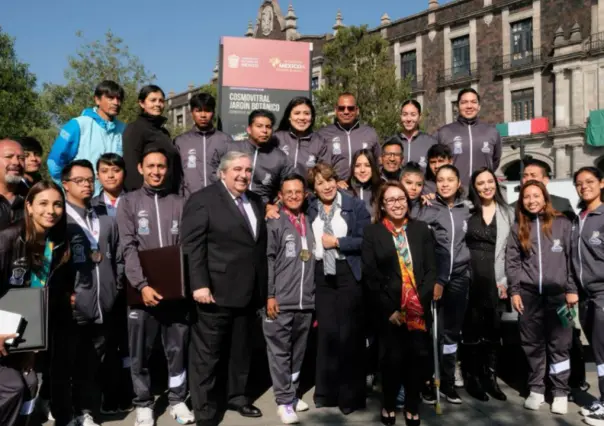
(357, 217)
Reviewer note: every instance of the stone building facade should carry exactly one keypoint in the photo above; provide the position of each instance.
(527, 59)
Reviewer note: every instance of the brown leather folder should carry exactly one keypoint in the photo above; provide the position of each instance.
(164, 270)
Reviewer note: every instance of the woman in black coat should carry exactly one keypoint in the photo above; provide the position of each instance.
(399, 270)
(148, 129)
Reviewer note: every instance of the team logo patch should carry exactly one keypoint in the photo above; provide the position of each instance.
(312, 161)
(465, 226)
(290, 246)
(285, 149)
(422, 162)
(486, 148)
(336, 147)
(174, 229)
(457, 145)
(79, 254)
(267, 179)
(557, 247)
(595, 239)
(143, 226)
(17, 277)
(192, 159)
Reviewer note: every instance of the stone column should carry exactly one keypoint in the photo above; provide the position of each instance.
(577, 156)
(562, 162)
(538, 93)
(507, 100)
(578, 111)
(562, 95)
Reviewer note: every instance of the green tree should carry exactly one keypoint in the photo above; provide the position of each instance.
(20, 109)
(108, 59)
(359, 62)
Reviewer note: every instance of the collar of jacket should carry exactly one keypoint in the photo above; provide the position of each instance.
(354, 126)
(209, 131)
(386, 176)
(358, 185)
(459, 201)
(267, 146)
(599, 210)
(404, 137)
(152, 192)
(156, 120)
(109, 126)
(467, 121)
(306, 137)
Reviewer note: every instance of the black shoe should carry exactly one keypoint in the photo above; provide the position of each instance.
(492, 387)
(474, 388)
(412, 422)
(449, 392)
(247, 410)
(387, 420)
(428, 394)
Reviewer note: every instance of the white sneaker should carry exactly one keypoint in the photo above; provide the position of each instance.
(287, 414)
(458, 376)
(86, 420)
(181, 413)
(301, 406)
(144, 417)
(560, 405)
(534, 401)
(44, 409)
(593, 408)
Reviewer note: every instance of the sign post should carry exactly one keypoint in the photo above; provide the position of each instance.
(259, 74)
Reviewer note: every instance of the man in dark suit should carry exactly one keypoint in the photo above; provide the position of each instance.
(224, 239)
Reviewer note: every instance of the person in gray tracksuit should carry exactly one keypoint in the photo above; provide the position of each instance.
(291, 286)
(304, 151)
(474, 144)
(343, 142)
(448, 219)
(541, 281)
(149, 218)
(416, 147)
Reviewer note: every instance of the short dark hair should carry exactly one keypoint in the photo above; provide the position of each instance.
(66, 172)
(439, 150)
(147, 90)
(467, 90)
(152, 149)
(284, 124)
(394, 140)
(412, 168)
(413, 102)
(31, 144)
(201, 101)
(545, 168)
(293, 176)
(261, 113)
(110, 89)
(111, 159)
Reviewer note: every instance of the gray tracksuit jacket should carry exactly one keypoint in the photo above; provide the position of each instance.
(290, 280)
(416, 148)
(197, 150)
(96, 286)
(304, 152)
(147, 219)
(344, 143)
(269, 166)
(547, 268)
(474, 144)
(587, 248)
(449, 226)
(363, 193)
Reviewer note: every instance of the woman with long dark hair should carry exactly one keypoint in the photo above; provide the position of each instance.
(296, 138)
(148, 129)
(399, 272)
(542, 286)
(364, 180)
(488, 231)
(34, 253)
(587, 247)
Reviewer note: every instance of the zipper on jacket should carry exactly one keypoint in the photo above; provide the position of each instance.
(98, 279)
(161, 241)
(452, 241)
(304, 246)
(349, 150)
(296, 154)
(581, 223)
(253, 169)
(362, 198)
(539, 257)
(205, 176)
(471, 149)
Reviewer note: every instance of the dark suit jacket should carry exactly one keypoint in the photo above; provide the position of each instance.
(560, 204)
(382, 272)
(220, 249)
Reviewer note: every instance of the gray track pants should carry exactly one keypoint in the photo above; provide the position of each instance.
(592, 320)
(286, 339)
(17, 395)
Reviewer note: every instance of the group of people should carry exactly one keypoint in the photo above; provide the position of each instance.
(330, 234)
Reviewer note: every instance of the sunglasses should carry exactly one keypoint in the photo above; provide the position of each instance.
(349, 108)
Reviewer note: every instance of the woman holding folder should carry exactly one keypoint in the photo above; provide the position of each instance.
(34, 254)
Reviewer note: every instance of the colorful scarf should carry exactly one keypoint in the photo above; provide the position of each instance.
(412, 312)
(38, 279)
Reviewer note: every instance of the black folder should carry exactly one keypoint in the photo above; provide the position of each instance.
(31, 304)
(164, 270)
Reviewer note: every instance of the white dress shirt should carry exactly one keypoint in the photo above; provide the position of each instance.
(247, 207)
(338, 225)
(110, 206)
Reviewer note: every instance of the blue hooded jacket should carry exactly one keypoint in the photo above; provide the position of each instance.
(86, 137)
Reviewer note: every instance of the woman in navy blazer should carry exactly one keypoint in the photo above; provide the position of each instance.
(338, 220)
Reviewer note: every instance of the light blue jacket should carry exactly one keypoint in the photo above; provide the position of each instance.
(86, 137)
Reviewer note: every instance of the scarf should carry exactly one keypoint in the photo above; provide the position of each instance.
(299, 221)
(412, 312)
(38, 279)
(329, 256)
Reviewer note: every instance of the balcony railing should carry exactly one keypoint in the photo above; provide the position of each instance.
(595, 43)
(458, 75)
(517, 62)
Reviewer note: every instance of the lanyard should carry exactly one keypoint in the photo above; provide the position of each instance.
(91, 227)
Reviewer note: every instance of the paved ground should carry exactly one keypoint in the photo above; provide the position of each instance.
(471, 413)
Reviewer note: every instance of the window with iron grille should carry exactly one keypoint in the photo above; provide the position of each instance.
(314, 83)
(521, 40)
(460, 56)
(179, 120)
(523, 105)
(409, 66)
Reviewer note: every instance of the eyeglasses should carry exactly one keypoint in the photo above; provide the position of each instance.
(349, 108)
(81, 181)
(289, 194)
(392, 154)
(392, 201)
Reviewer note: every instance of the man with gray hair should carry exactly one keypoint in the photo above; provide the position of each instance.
(12, 165)
(224, 238)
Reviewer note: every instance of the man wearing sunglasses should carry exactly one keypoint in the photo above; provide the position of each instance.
(347, 135)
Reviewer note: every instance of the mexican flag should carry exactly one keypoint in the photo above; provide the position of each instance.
(522, 128)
